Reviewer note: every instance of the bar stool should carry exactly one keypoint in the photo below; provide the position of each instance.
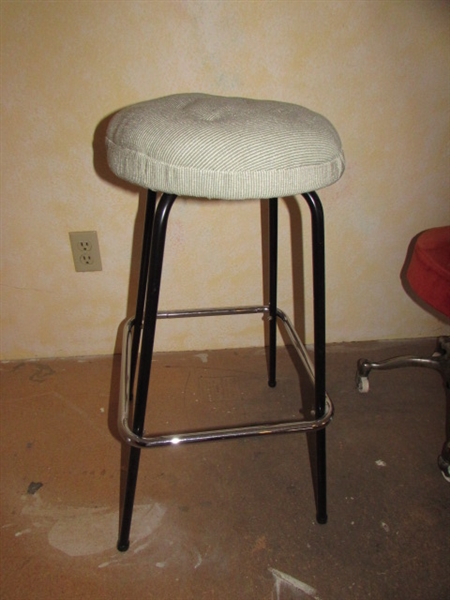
(212, 147)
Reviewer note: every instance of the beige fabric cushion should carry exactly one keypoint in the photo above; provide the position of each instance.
(229, 148)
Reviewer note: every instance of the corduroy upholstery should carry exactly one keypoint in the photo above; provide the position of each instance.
(228, 148)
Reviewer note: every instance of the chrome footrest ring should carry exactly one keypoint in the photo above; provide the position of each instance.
(291, 426)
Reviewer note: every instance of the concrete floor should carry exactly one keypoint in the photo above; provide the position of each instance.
(232, 519)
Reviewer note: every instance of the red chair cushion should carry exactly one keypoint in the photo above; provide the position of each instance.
(429, 270)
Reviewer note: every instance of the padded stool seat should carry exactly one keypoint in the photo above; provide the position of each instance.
(228, 148)
(210, 147)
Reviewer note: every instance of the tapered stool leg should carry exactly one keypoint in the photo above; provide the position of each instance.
(155, 261)
(273, 264)
(134, 454)
(318, 251)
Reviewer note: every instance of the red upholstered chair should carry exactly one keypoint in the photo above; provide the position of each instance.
(428, 274)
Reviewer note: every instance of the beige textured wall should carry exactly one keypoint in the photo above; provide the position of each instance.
(378, 70)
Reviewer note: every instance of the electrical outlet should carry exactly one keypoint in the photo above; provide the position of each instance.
(85, 250)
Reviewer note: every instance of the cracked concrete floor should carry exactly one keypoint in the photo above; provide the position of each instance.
(232, 519)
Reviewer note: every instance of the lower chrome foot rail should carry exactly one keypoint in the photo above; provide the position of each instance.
(145, 441)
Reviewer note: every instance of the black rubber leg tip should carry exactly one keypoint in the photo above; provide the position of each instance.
(272, 383)
(123, 547)
(322, 519)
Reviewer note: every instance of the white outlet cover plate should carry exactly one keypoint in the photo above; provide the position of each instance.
(85, 250)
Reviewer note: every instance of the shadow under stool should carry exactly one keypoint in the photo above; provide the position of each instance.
(212, 147)
(428, 275)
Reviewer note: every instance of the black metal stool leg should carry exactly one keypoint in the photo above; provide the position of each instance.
(273, 263)
(318, 249)
(155, 261)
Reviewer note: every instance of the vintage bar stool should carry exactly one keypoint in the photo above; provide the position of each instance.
(428, 274)
(202, 146)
